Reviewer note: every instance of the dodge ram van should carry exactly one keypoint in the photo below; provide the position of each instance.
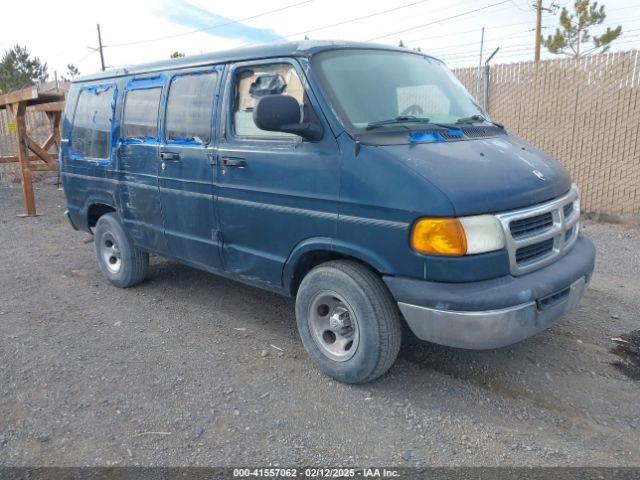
(363, 180)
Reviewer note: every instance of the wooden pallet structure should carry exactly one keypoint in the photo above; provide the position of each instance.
(31, 155)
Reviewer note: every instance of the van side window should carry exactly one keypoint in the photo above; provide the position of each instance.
(190, 108)
(255, 82)
(91, 128)
(141, 113)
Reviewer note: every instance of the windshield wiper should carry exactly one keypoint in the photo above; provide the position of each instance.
(472, 119)
(476, 119)
(398, 119)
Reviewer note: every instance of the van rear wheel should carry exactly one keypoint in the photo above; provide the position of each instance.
(123, 264)
(348, 321)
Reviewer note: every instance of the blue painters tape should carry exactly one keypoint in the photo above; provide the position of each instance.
(434, 137)
(97, 88)
(426, 137)
(141, 83)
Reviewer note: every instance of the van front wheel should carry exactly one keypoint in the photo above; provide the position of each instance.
(121, 262)
(348, 321)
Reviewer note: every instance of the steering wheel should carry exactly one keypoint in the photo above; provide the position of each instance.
(412, 110)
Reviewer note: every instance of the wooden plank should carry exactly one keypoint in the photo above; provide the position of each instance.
(51, 140)
(46, 97)
(54, 119)
(37, 149)
(31, 158)
(48, 107)
(17, 111)
(30, 93)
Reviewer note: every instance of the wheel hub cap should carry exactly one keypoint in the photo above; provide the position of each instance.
(110, 252)
(333, 326)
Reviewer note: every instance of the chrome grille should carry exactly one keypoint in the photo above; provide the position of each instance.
(526, 226)
(531, 252)
(537, 236)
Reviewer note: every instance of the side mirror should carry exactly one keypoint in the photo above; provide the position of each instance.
(281, 113)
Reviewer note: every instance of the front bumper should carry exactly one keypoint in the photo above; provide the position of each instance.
(497, 312)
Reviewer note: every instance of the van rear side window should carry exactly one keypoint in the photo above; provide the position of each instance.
(141, 113)
(190, 108)
(91, 128)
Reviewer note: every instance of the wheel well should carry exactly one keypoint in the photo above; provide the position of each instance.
(312, 259)
(95, 211)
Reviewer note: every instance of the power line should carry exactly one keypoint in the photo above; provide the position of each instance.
(448, 47)
(495, 27)
(438, 21)
(467, 57)
(356, 19)
(269, 12)
(84, 57)
(475, 30)
(353, 20)
(516, 35)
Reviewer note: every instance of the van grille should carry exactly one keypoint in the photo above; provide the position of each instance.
(525, 226)
(568, 209)
(537, 236)
(531, 252)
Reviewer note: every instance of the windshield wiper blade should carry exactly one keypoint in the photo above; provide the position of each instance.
(472, 119)
(477, 119)
(398, 119)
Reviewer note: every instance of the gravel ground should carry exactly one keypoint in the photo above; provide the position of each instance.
(192, 369)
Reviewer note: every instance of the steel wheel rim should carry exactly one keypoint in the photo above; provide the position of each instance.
(333, 326)
(110, 252)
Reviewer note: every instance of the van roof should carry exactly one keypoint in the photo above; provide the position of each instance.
(303, 48)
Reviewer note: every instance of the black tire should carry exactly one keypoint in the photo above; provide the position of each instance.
(123, 264)
(377, 317)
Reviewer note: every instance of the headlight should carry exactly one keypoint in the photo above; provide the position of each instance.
(457, 236)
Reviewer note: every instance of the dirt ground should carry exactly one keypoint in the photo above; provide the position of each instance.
(191, 369)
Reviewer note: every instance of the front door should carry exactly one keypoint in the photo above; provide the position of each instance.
(275, 189)
(138, 158)
(187, 169)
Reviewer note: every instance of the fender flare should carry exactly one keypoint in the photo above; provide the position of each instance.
(327, 244)
(101, 198)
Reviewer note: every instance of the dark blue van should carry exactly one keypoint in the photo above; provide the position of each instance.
(362, 180)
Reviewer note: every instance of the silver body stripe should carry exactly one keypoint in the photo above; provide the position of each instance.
(279, 208)
(373, 222)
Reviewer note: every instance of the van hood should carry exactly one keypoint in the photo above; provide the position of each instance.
(486, 175)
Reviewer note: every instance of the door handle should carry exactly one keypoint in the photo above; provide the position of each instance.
(234, 162)
(170, 156)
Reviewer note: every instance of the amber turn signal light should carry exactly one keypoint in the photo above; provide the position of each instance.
(439, 236)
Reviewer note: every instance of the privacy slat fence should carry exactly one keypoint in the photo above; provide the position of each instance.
(585, 113)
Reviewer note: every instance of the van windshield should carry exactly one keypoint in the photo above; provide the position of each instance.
(377, 88)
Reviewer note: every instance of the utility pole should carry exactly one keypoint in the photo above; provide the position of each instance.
(100, 48)
(539, 8)
(479, 74)
(485, 93)
(538, 29)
